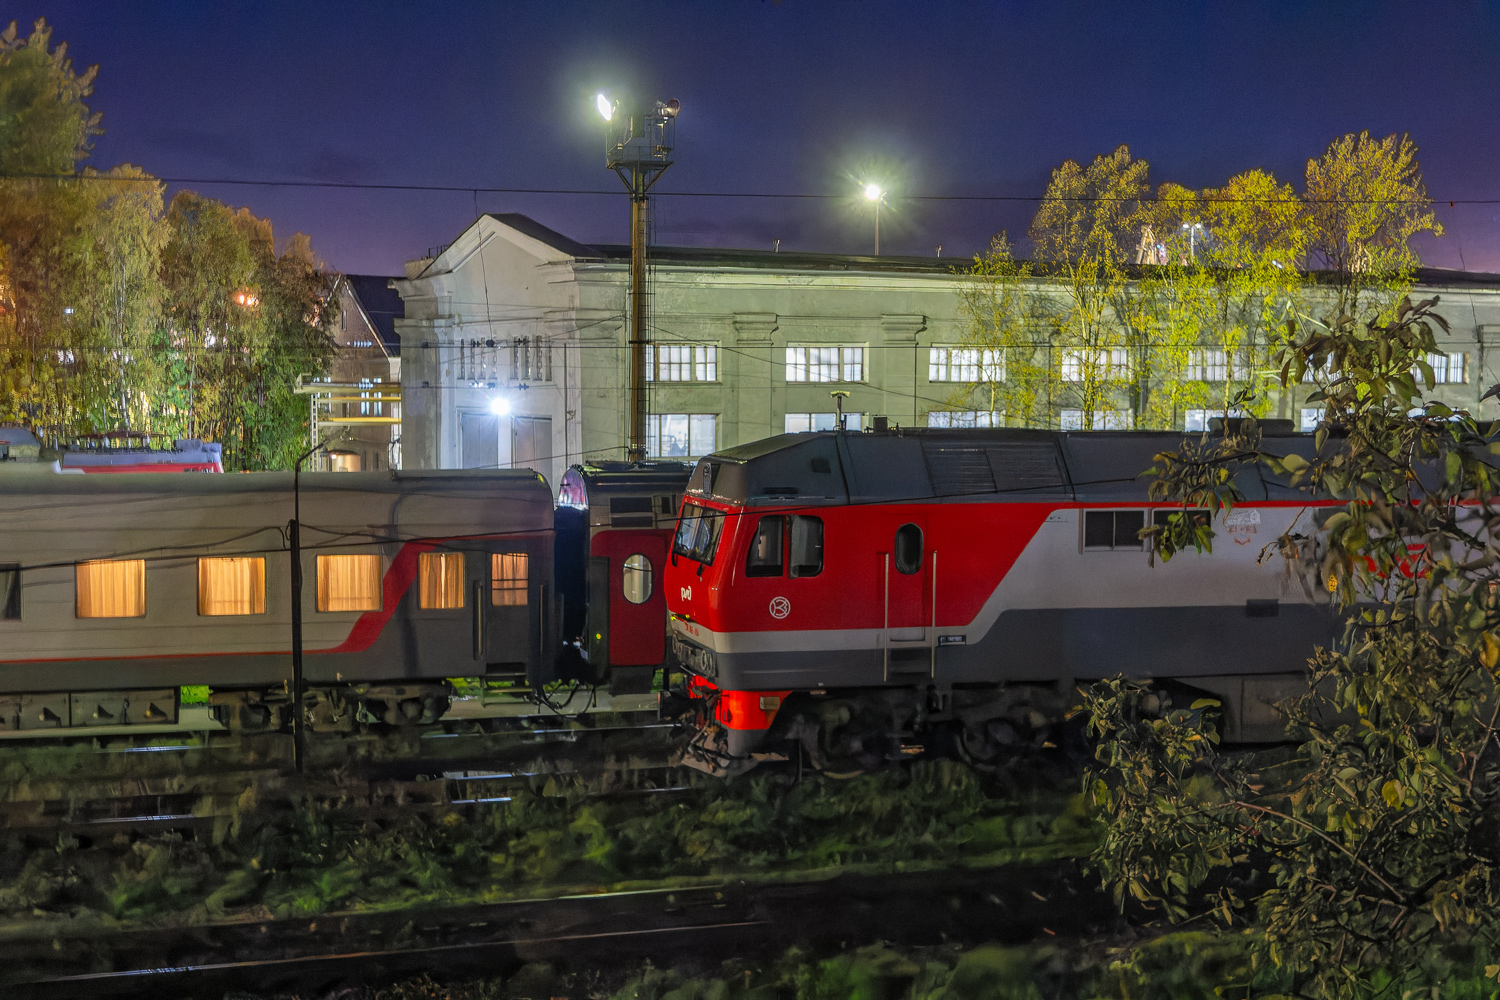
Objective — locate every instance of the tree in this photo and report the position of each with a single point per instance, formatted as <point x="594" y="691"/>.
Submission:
<point x="1364" y="861"/>
<point x="1008" y="345"/>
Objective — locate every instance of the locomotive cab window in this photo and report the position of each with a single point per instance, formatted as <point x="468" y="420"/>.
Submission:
<point x="349" y="583"/>
<point x="908" y="549"/>
<point x="234" y="585"/>
<point x="698" y="533"/>
<point x="637" y="578"/>
<point x="807" y="545"/>
<point x="441" y="576"/>
<point x="1113" y="530"/>
<point x="764" y="558"/>
<point x="10" y="591"/>
<point x="111" y="588"/>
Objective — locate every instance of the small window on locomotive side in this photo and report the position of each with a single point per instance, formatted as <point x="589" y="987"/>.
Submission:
<point x="908" y="549"/>
<point x="10" y="591"/>
<point x="1113" y="530"/>
<point x="807" y="545"/>
<point x="764" y="558"/>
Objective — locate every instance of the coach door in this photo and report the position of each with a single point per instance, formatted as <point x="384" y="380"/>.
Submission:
<point x="907" y="572"/>
<point x="633" y="562"/>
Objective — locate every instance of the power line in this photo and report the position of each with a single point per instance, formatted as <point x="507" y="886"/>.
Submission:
<point x="474" y="189"/>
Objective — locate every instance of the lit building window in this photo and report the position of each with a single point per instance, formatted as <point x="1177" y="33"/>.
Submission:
<point x="440" y="580"/>
<point x="680" y="435"/>
<point x="1311" y="417"/>
<point x="965" y="364"/>
<point x="1213" y="365"/>
<point x="111" y="588"/>
<point x="800" y="423"/>
<point x="232" y="586"/>
<point x="682" y="363"/>
<point x="1197" y="420"/>
<point x="1106" y="364"/>
<point x="840" y="363"/>
<point x="349" y="583"/>
<point x="965" y="418"/>
<point x="1447" y="369"/>
<point x="1104" y="420"/>
<point x="509" y="579"/>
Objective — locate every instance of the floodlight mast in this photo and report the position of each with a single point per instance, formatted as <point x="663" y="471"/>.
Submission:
<point x="638" y="148"/>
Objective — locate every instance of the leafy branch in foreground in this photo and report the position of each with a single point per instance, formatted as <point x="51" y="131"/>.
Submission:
<point x="1369" y="851"/>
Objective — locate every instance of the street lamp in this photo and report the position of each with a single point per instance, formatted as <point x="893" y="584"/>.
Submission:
<point x="1192" y="229"/>
<point x="638" y="148"/>
<point x="873" y="192"/>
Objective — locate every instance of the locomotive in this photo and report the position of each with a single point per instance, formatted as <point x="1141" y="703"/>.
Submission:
<point x="854" y="594"/>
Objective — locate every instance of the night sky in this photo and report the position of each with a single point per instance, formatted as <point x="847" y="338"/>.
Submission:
<point x="930" y="98"/>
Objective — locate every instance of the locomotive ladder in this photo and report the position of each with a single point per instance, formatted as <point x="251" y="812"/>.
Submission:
<point x="929" y="633"/>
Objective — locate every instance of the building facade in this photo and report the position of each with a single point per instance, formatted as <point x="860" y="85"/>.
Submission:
<point x="356" y="408"/>
<point x="515" y="353"/>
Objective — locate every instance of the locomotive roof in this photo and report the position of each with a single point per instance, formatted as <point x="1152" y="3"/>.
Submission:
<point x="1007" y="464"/>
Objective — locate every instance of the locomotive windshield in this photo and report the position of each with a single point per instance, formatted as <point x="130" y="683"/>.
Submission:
<point x="698" y="533"/>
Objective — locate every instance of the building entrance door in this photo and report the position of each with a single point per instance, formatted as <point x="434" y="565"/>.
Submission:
<point x="479" y="439"/>
<point x="530" y="442"/>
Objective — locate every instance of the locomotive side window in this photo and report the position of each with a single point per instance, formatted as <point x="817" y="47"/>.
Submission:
<point x="765" y="548"/>
<point x="349" y="583"/>
<point x="908" y="549"/>
<point x="807" y="546"/>
<point x="441" y="576"/>
<point x="637" y="570"/>
<point x="510" y="577"/>
<point x="10" y="591"/>
<point x="232" y="586"/>
<point x="698" y="534"/>
<point x="111" y="588"/>
<point x="1105" y="530"/>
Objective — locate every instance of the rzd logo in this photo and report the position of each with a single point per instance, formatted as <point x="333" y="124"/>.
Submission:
<point x="687" y="593"/>
<point x="780" y="607"/>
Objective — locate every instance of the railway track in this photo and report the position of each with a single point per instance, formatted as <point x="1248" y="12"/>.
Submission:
<point x="703" y="923"/>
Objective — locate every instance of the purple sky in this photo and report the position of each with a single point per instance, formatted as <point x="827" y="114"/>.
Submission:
<point x="956" y="97"/>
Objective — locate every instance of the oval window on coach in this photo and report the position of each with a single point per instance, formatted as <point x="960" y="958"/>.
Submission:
<point x="637" y="579"/>
<point x="768" y="546"/>
<point x="698" y="533"/>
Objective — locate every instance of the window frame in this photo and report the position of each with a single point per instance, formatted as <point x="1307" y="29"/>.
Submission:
<point x="1114" y="513"/>
<point x="764" y="570"/>
<point x="77" y="594"/>
<point x="701" y="365"/>
<point x="320" y="598"/>
<point x="987" y="363"/>
<point x="841" y="364"/>
<point x="702" y="549"/>
<point x="654" y="435"/>
<point x="10" y="608"/>
<point x="511" y="581"/>
<point x="649" y="573"/>
<point x="204" y="560"/>
<point x="463" y="587"/>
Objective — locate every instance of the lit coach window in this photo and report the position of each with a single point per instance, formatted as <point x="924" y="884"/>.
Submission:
<point x="232" y="585"/>
<point x="349" y="583"/>
<point x="441" y="576"/>
<point x="510" y="577"/>
<point x="637" y="571"/>
<point x="111" y="588"/>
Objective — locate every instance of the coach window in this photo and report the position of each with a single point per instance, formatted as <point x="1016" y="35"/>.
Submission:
<point x="233" y="585"/>
<point x="349" y="583"/>
<point x="10" y="591"/>
<point x="1106" y="530"/>
<point x="510" y="578"/>
<point x="765" y="549"/>
<point x="807" y="546"/>
<point x="440" y="578"/>
<point x="908" y="549"/>
<point x="111" y="588"/>
<point x="637" y="571"/>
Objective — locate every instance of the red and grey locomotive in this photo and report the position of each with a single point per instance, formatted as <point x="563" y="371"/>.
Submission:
<point x="858" y="585"/>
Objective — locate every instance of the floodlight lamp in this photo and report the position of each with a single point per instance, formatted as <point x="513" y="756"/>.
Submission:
<point x="873" y="192"/>
<point x="671" y="109"/>
<point x="606" y="107"/>
<point x="499" y="405"/>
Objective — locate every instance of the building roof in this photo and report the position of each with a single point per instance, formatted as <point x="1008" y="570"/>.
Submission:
<point x="528" y="226"/>
<point x="383" y="304"/>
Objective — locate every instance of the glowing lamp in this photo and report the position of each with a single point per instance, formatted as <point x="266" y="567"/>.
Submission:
<point x="605" y="106"/>
<point x="499" y="406"/>
<point x="873" y="192"/>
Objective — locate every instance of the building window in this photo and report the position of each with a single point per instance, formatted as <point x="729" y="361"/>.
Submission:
<point x="1108" y="364"/>
<point x="965" y="364"/>
<point x="1197" y="420"/>
<point x="1213" y="365"/>
<point x="234" y="585"/>
<point x="680" y="435"/>
<point x="801" y="423"/>
<point x="1311" y="417"/>
<point x="1112" y="530"/>
<point x="682" y="363"/>
<point x="441" y="580"/>
<point x="637" y="579"/>
<point x="1104" y="420"/>
<point x="10" y="591"/>
<point x="1447" y="369"/>
<point x="965" y="418"/>
<point x="349" y="583"/>
<point x="840" y="363"/>
<point x="509" y="579"/>
<point x="111" y="588"/>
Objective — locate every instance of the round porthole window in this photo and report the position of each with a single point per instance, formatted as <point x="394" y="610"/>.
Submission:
<point x="637" y="579"/>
